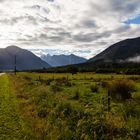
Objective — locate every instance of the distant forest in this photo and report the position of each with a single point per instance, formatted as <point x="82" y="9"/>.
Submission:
<point x="118" y="68"/>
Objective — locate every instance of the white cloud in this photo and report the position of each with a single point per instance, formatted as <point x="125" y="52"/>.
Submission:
<point x="89" y="25"/>
<point x="134" y="59"/>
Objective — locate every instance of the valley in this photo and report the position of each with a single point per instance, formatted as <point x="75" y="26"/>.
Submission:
<point x="69" y="70"/>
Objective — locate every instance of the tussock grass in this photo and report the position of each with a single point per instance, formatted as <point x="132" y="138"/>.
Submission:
<point x="12" y="125"/>
<point x="121" y="89"/>
<point x="73" y="112"/>
<point x="94" y="88"/>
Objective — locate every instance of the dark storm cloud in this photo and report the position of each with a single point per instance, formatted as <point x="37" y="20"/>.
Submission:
<point x="65" y="34"/>
<point x="87" y="23"/>
<point x="123" y="6"/>
<point x="56" y="37"/>
<point x="90" y="36"/>
<point x="85" y="37"/>
<point x="50" y="0"/>
<point x="121" y="29"/>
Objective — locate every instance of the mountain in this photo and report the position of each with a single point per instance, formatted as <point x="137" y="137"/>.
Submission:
<point x="122" y="51"/>
<point x="25" y="59"/>
<point x="123" y="56"/>
<point x="61" y="60"/>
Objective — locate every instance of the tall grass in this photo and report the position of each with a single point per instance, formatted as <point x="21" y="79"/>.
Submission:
<point x="73" y="112"/>
<point x="121" y="89"/>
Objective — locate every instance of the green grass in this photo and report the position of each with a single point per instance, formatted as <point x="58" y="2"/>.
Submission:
<point x="13" y="125"/>
<point x="10" y="122"/>
<point x="69" y="107"/>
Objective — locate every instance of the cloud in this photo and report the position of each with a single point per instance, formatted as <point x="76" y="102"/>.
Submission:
<point x="51" y="0"/>
<point x="135" y="59"/>
<point x="90" y="25"/>
<point x="15" y="20"/>
<point x="39" y="53"/>
<point x="89" y="37"/>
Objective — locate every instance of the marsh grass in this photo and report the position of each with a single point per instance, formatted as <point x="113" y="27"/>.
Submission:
<point x="76" y="94"/>
<point x="74" y="112"/>
<point x="55" y="86"/>
<point x="94" y="88"/>
<point x="121" y="89"/>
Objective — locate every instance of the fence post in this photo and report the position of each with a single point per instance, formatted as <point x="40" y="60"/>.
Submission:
<point x="15" y="69"/>
<point x="39" y="78"/>
<point x="102" y="103"/>
<point x="109" y="108"/>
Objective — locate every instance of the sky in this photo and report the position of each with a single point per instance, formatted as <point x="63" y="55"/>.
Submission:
<point x="82" y="27"/>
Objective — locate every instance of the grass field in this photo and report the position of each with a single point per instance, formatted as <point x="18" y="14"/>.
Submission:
<point x="67" y="107"/>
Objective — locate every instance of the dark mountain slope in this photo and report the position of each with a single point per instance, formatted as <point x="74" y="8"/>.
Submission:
<point x="25" y="59"/>
<point x="116" y="58"/>
<point x="120" y="51"/>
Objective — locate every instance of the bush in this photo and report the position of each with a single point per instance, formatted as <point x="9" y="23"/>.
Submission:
<point x="104" y="84"/>
<point x="27" y="78"/>
<point x="44" y="81"/>
<point x="64" y="109"/>
<point x="42" y="111"/>
<point x="76" y="95"/>
<point x="121" y="89"/>
<point x="55" y="86"/>
<point x="72" y="69"/>
<point x="94" y="88"/>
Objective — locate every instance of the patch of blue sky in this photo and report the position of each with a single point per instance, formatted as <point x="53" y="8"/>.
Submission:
<point x="135" y="20"/>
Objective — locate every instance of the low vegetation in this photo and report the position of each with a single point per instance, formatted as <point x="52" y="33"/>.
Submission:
<point x="12" y="126"/>
<point x="94" y="88"/>
<point x="121" y="89"/>
<point x="75" y="106"/>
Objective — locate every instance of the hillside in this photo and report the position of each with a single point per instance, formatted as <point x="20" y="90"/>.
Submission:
<point x="123" y="56"/>
<point x="25" y="59"/>
<point x="61" y="60"/>
<point x="122" y="51"/>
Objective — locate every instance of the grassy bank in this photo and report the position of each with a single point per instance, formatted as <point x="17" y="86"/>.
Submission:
<point x="66" y="107"/>
<point x="10" y="122"/>
<point x="13" y="124"/>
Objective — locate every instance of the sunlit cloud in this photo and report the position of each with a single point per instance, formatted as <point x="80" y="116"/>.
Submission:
<point x="88" y="25"/>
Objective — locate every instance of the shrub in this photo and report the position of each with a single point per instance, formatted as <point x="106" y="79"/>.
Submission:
<point x="27" y="78"/>
<point x="61" y="80"/>
<point x="131" y="109"/>
<point x="64" y="81"/>
<point x="68" y="84"/>
<point x="104" y="84"/>
<point x="45" y="81"/>
<point x="42" y="111"/>
<point x="121" y="89"/>
<point x="72" y="69"/>
<point x="76" y="95"/>
<point x="94" y="88"/>
<point x="55" y="86"/>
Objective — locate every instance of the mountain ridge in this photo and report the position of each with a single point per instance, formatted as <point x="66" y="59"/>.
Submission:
<point x="62" y="60"/>
<point x="123" y="56"/>
<point x="122" y="50"/>
<point x="26" y="60"/>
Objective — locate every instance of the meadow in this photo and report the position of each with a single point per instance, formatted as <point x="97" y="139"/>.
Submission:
<point x="75" y="106"/>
